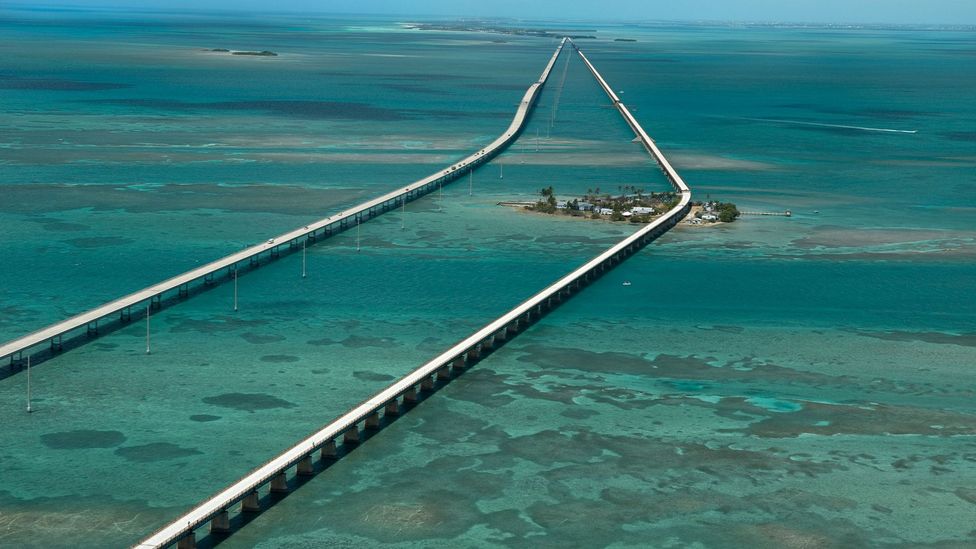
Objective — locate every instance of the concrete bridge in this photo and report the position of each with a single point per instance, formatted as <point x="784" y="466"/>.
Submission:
<point x="82" y="328"/>
<point x="317" y="452"/>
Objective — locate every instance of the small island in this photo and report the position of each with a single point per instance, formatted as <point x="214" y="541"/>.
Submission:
<point x="633" y="205"/>
<point x="624" y="39"/>
<point x="712" y="211"/>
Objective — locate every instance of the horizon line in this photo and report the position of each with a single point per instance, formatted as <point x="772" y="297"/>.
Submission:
<point x="190" y="11"/>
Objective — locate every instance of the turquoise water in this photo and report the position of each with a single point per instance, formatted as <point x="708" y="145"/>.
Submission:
<point x="792" y="382"/>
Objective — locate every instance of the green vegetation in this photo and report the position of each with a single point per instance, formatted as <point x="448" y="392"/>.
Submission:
<point x="727" y="212"/>
<point x="546" y="204"/>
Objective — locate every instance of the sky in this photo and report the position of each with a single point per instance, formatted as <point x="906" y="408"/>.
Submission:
<point x="961" y="12"/>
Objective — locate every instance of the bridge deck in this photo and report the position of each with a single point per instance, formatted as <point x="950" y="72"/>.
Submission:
<point x="220" y="502"/>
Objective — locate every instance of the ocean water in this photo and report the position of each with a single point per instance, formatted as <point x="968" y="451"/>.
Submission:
<point x="802" y="381"/>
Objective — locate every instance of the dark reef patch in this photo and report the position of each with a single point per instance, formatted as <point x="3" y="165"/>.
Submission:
<point x="249" y="402"/>
<point x="204" y="418"/>
<point x="156" y="451"/>
<point x="372" y="376"/>
<point x="82" y="438"/>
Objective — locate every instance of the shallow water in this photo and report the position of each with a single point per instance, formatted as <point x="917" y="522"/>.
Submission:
<point x="800" y="381"/>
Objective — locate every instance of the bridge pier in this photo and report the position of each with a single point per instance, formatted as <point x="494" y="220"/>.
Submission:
<point x="187" y="542"/>
<point x="392" y="408"/>
<point x="444" y="374"/>
<point x="220" y="524"/>
<point x="458" y="365"/>
<point x="154" y="302"/>
<point x="328" y="450"/>
<point x="305" y="468"/>
<point x="208" y="279"/>
<point x="373" y="420"/>
<point x="56" y="344"/>
<point x="351" y="436"/>
<point x="251" y="503"/>
<point x="474" y="354"/>
<point x="279" y="483"/>
<point x="91" y="329"/>
<point x="184" y="290"/>
<point x="125" y="315"/>
<point x="410" y="395"/>
<point x="427" y="384"/>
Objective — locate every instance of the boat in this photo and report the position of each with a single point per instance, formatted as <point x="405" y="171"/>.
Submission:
<point x="626" y="283"/>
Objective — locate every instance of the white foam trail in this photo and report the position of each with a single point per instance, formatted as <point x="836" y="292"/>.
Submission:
<point x="861" y="128"/>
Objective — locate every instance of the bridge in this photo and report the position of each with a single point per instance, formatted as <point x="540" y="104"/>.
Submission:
<point x="79" y="329"/>
<point x="347" y="431"/>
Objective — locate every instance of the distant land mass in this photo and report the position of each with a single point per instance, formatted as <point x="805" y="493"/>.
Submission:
<point x="491" y="27"/>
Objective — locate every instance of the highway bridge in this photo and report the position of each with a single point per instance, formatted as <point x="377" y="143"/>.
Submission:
<point x="319" y="450"/>
<point x="79" y="329"/>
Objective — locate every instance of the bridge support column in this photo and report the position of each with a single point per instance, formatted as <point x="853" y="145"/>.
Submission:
<point x="444" y="374"/>
<point x="373" y="421"/>
<point x="351" y="436"/>
<point x="208" y="279"/>
<point x="502" y="335"/>
<point x="410" y="395"/>
<point x="251" y="503"/>
<point x="188" y="542"/>
<point x="427" y="384"/>
<point x="279" y="484"/>
<point x="392" y="408"/>
<point x="92" y="329"/>
<point x="220" y="524"/>
<point x="125" y="314"/>
<point x="474" y="354"/>
<point x="328" y="450"/>
<point x="458" y="364"/>
<point x="154" y="303"/>
<point x="184" y="290"/>
<point x="305" y="468"/>
<point x="56" y="344"/>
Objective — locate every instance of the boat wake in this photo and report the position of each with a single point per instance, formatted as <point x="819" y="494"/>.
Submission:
<point x="822" y="125"/>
